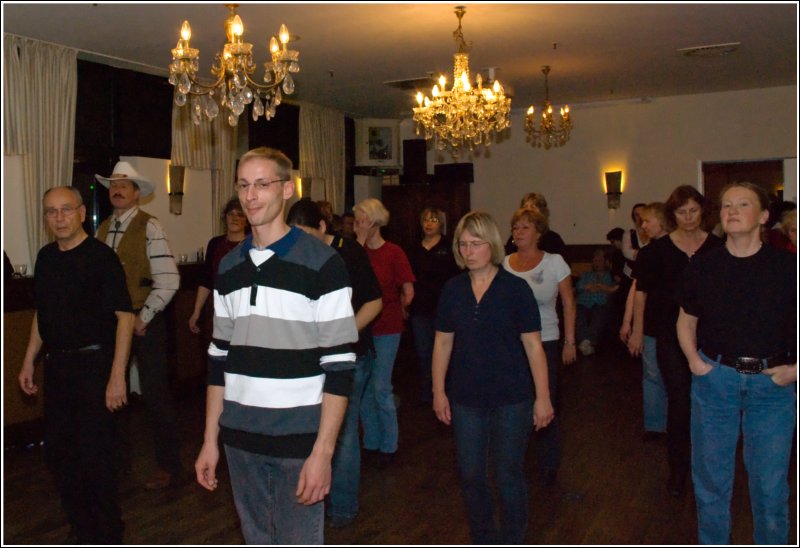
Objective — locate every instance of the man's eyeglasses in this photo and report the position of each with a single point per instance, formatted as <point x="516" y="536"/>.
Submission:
<point x="67" y="211"/>
<point x="258" y="185"/>
<point x="463" y="246"/>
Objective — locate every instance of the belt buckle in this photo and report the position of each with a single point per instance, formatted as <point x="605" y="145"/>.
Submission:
<point x="749" y="366"/>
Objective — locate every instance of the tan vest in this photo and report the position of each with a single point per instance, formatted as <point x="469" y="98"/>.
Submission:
<point x="132" y="252"/>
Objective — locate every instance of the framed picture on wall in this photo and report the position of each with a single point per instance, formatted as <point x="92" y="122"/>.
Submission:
<point x="378" y="142"/>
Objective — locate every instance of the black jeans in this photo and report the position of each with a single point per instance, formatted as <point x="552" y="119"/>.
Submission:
<point x="151" y="358"/>
<point x="678" y="383"/>
<point x="79" y="438"/>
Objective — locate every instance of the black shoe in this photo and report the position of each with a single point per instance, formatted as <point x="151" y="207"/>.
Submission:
<point x="71" y="539"/>
<point x="653" y="436"/>
<point x="384" y="460"/>
<point x="548" y="477"/>
<point x="340" y="522"/>
<point x="676" y="484"/>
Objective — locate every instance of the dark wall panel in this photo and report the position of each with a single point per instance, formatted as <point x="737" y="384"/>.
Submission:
<point x="281" y="132"/>
<point x="142" y="115"/>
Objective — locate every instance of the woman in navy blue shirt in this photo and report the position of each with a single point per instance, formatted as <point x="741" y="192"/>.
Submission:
<point x="489" y="349"/>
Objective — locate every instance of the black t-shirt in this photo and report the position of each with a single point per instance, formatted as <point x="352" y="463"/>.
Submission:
<point x="658" y="273"/>
<point x="363" y="281"/>
<point x="746" y="306"/>
<point x="432" y="268"/>
<point x="652" y="307"/>
<point x="77" y="293"/>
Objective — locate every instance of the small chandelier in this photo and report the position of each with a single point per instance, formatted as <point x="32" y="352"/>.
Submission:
<point x="466" y="115"/>
<point x="547" y="135"/>
<point x="234" y="88"/>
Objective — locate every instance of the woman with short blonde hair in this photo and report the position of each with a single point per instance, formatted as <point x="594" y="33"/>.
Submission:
<point x="393" y="270"/>
<point x="489" y="350"/>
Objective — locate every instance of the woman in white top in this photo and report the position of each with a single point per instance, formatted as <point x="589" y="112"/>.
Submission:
<point x="549" y="277"/>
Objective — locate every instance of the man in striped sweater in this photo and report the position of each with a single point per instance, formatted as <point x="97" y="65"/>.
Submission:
<point x="280" y="364"/>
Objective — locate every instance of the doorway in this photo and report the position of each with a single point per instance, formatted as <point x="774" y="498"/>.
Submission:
<point x="768" y="174"/>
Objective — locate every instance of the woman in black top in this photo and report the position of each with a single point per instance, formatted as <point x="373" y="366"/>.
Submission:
<point x="738" y="329"/>
<point x="658" y="279"/>
<point x="433" y="264"/>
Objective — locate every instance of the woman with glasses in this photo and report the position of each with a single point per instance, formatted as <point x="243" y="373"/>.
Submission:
<point x="391" y="266"/>
<point x="658" y="277"/>
<point x="489" y="379"/>
<point x="236" y="229"/>
<point x="433" y="264"/>
<point x="549" y="277"/>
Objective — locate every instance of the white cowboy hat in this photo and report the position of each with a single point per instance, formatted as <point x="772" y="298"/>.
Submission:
<point x="124" y="170"/>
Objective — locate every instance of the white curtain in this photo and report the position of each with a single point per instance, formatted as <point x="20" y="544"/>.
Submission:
<point x="209" y="145"/>
<point x="40" y="89"/>
<point x="322" y="151"/>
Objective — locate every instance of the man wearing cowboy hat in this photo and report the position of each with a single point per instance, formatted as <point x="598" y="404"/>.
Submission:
<point x="152" y="279"/>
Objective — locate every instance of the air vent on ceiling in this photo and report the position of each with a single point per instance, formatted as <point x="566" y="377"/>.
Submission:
<point x="714" y="50"/>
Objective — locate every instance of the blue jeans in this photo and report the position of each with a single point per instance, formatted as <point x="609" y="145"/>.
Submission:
<point x="653" y="391"/>
<point x="502" y="434"/>
<point x="378" y="412"/>
<point x="343" y="499"/>
<point x="590" y="323"/>
<point x="264" y="492"/>
<point x="548" y="439"/>
<point x="424" y="335"/>
<point x="723" y="401"/>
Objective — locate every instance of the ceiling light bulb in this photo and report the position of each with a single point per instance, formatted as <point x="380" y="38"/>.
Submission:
<point x="237" y="28"/>
<point x="186" y="31"/>
<point x="283" y="34"/>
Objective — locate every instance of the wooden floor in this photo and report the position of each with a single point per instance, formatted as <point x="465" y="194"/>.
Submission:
<point x="610" y="489"/>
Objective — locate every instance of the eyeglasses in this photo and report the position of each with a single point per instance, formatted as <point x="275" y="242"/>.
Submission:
<point x="462" y="246"/>
<point x="67" y="211"/>
<point x="258" y="185"/>
<point x="431" y="220"/>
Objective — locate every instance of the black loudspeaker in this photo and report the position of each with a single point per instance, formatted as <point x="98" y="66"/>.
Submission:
<point x="453" y="173"/>
<point x="415" y="162"/>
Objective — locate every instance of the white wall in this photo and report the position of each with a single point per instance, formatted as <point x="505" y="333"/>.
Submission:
<point x="658" y="146"/>
<point x="15" y="229"/>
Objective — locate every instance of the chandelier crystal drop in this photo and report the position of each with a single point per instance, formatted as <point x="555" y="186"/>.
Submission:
<point x="548" y="134"/>
<point x="234" y="87"/>
<point x="466" y="115"/>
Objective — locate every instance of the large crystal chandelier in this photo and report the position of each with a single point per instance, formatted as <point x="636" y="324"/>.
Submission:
<point x="234" y="88"/>
<point x="548" y="134"/>
<point x="465" y="115"/>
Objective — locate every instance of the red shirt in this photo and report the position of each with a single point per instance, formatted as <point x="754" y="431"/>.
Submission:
<point x="392" y="269"/>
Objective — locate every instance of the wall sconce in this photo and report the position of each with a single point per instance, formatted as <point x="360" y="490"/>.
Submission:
<point x="614" y="188"/>
<point x="175" y="185"/>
